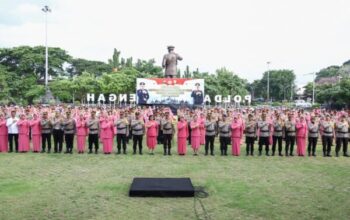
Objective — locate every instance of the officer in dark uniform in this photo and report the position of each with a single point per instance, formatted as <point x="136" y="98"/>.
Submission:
<point x="197" y="95"/>
<point x="142" y="94"/>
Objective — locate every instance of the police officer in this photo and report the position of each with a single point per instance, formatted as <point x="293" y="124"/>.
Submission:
<point x="277" y="135"/>
<point x="57" y="132"/>
<point x="250" y="134"/>
<point x="289" y="128"/>
<point x="197" y="95"/>
<point x="142" y="94"/>
<point x="167" y="126"/>
<point x="122" y="125"/>
<point x="342" y="136"/>
<point x="225" y="134"/>
<point x="46" y="129"/>
<point x="94" y="126"/>
<point x="69" y="128"/>
<point x="327" y="136"/>
<point x="210" y="132"/>
<point x="313" y="129"/>
<point x="264" y="135"/>
<point x="138" y="130"/>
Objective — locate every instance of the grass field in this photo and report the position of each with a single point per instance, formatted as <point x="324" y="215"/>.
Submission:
<point x="42" y="186"/>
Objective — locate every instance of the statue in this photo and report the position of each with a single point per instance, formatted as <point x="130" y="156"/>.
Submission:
<point x="170" y="62"/>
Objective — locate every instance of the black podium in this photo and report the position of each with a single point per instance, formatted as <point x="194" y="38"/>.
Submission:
<point x="161" y="187"/>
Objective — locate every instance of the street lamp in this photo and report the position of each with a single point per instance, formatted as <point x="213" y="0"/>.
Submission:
<point x="48" y="96"/>
<point x="46" y="10"/>
<point x="268" y="81"/>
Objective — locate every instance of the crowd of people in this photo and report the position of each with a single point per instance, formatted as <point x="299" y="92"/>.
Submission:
<point x="31" y="128"/>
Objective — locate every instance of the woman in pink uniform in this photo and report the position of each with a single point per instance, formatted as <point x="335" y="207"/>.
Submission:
<point x="36" y="133"/>
<point x="182" y="134"/>
<point x="23" y="134"/>
<point x="81" y="133"/>
<point x="202" y="128"/>
<point x="237" y="133"/>
<point x="195" y="134"/>
<point x="3" y="134"/>
<point x="151" y="134"/>
<point x="301" y="131"/>
<point x="107" y="133"/>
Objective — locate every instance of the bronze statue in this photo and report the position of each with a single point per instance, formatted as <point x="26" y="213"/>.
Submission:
<point x="170" y="62"/>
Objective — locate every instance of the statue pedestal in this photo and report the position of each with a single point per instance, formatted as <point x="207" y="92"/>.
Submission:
<point x="48" y="97"/>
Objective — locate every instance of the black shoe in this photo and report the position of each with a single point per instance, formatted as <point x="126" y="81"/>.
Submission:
<point x="134" y="153"/>
<point x="313" y="154"/>
<point x="291" y="155"/>
<point x="124" y="152"/>
<point x="49" y="151"/>
<point x="66" y="152"/>
<point x="280" y="154"/>
<point x="346" y="155"/>
<point x="309" y="154"/>
<point x="212" y="154"/>
<point x="169" y="153"/>
<point x="206" y="154"/>
<point x="273" y="154"/>
<point x="118" y="152"/>
<point x="337" y="154"/>
<point x="259" y="153"/>
<point x="329" y="155"/>
<point x="42" y="151"/>
<point x="90" y="152"/>
<point x="267" y="154"/>
<point x="96" y="152"/>
<point x="164" y="153"/>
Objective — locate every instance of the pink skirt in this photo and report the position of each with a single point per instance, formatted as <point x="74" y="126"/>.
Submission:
<point x="181" y="145"/>
<point x="3" y="143"/>
<point x="151" y="142"/>
<point x="23" y="143"/>
<point x="195" y="142"/>
<point x="81" y="143"/>
<point x="36" y="140"/>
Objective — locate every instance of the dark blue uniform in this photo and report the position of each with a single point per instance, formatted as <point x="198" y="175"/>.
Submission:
<point x="143" y="96"/>
<point x="197" y="96"/>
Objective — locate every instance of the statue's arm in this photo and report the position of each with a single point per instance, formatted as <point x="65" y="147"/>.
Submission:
<point x="179" y="57"/>
<point x="164" y="61"/>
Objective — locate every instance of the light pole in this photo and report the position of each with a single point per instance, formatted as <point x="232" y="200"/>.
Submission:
<point x="46" y="10"/>
<point x="48" y="94"/>
<point x="313" y="86"/>
<point x="268" y="81"/>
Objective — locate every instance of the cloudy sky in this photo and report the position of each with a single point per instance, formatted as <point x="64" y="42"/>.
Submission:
<point x="242" y="35"/>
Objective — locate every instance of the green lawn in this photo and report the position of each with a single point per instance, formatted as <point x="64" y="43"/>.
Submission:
<point x="42" y="186"/>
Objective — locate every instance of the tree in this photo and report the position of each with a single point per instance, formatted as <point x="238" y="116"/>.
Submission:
<point x="281" y="85"/>
<point x="115" y="61"/>
<point x="25" y="60"/>
<point x="78" y="66"/>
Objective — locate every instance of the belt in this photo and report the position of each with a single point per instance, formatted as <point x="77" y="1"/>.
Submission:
<point x="250" y="132"/>
<point x="264" y="130"/>
<point x="93" y="129"/>
<point x="137" y="129"/>
<point x="313" y="132"/>
<point x="277" y="130"/>
<point x="224" y="132"/>
<point x="167" y="128"/>
<point x="327" y="132"/>
<point x="342" y="132"/>
<point x="210" y="130"/>
<point x="121" y="128"/>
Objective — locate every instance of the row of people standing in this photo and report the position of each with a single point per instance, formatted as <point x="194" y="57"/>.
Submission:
<point x="195" y="128"/>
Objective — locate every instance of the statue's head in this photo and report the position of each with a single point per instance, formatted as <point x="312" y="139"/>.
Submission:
<point x="171" y="48"/>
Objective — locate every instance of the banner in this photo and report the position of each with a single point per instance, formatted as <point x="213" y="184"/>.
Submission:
<point x="169" y="91"/>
